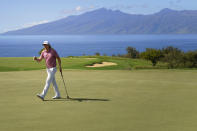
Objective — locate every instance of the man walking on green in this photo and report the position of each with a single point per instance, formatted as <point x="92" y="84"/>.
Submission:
<point x="50" y="56"/>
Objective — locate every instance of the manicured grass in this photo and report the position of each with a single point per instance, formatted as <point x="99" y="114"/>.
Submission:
<point x="27" y="63"/>
<point x="113" y="100"/>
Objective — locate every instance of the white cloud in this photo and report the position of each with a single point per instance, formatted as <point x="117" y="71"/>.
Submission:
<point x="9" y="29"/>
<point x="34" y="23"/>
<point x="25" y="25"/>
<point x="78" y="8"/>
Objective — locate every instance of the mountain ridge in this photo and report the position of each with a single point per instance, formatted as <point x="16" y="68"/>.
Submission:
<point x="107" y="21"/>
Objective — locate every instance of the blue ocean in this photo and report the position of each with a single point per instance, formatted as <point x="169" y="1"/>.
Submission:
<point x="77" y="45"/>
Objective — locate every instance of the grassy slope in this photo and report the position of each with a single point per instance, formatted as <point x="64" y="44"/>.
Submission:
<point x="139" y="100"/>
<point x="26" y="63"/>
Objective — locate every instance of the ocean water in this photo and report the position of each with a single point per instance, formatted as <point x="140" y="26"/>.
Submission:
<point x="77" y="45"/>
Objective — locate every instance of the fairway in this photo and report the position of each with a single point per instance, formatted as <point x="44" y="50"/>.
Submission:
<point x="103" y="100"/>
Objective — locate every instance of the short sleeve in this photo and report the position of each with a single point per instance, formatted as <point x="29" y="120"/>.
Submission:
<point x="55" y="53"/>
<point x="42" y="55"/>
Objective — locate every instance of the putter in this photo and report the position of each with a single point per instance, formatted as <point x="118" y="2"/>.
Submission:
<point x="65" y="86"/>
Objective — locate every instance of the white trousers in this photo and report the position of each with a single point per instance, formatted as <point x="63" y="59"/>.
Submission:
<point x="51" y="78"/>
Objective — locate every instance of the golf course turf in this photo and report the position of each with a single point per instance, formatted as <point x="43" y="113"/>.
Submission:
<point x="78" y="62"/>
<point x="102" y="100"/>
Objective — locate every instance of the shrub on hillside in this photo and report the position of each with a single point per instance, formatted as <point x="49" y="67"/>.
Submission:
<point x="173" y="56"/>
<point x="190" y="59"/>
<point x="151" y="54"/>
<point x="132" y="52"/>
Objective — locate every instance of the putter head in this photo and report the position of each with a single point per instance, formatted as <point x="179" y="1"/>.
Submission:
<point x="68" y="97"/>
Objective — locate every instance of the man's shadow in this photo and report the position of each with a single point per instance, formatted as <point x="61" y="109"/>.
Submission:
<point x="77" y="99"/>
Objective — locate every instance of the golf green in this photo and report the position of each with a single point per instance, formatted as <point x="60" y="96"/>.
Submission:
<point x="103" y="100"/>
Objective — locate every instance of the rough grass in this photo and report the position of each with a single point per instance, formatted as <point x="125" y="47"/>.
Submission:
<point x="27" y="63"/>
<point x="138" y="100"/>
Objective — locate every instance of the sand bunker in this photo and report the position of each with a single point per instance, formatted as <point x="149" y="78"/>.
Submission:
<point x="103" y="64"/>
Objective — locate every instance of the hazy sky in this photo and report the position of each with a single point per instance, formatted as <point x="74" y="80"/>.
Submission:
<point x="16" y="14"/>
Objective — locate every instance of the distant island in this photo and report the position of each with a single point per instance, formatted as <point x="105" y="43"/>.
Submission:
<point x="106" y="21"/>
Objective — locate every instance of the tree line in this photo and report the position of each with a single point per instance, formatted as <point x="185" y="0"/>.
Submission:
<point x="174" y="57"/>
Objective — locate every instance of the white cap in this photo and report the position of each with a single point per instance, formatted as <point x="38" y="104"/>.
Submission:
<point x="46" y="43"/>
